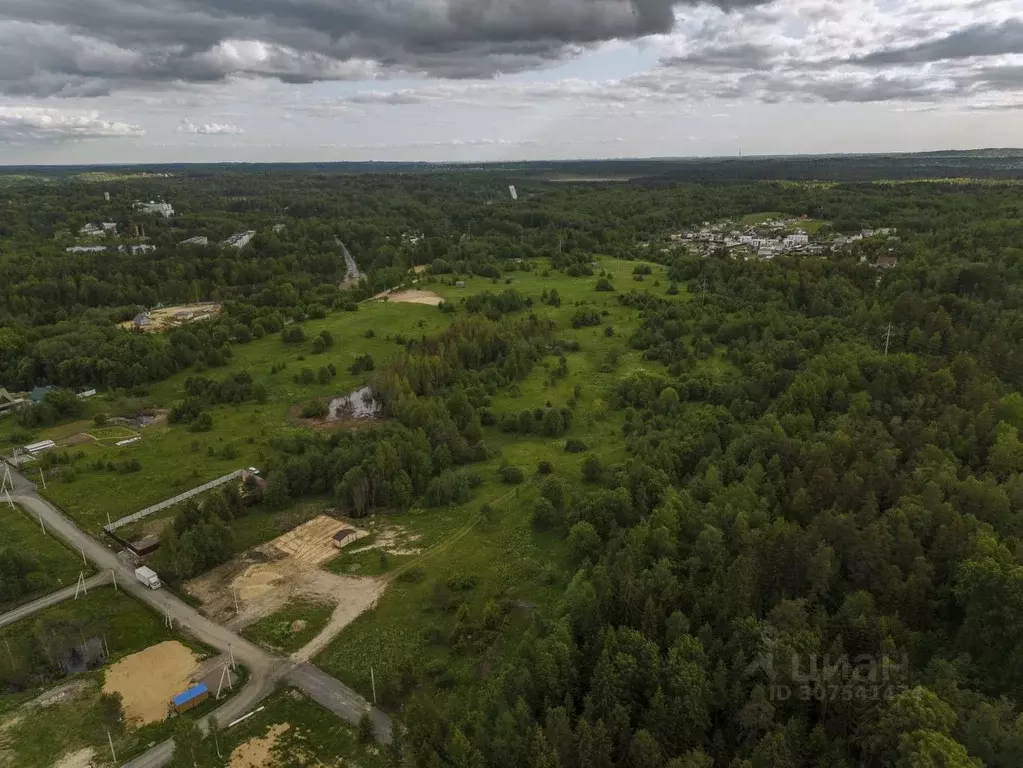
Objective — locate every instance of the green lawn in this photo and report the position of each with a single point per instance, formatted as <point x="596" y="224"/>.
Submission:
<point x="57" y="567"/>
<point x="275" y="632"/>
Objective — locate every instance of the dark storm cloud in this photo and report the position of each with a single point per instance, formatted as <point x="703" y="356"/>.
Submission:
<point x="973" y="41"/>
<point x="85" y="47"/>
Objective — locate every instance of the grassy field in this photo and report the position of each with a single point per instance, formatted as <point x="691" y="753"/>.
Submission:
<point x="34" y="732"/>
<point x="275" y="632"/>
<point x="364" y="559"/>
<point x="293" y="732"/>
<point x="500" y="567"/>
<point x="58" y="566"/>
<point x="29" y="645"/>
<point x="496" y="564"/>
<point x="173" y="459"/>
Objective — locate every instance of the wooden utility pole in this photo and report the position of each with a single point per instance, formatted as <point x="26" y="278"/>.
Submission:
<point x="110" y="740"/>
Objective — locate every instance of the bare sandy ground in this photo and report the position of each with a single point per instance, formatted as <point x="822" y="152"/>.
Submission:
<point x="265" y="579"/>
<point x="169" y="317"/>
<point x="257" y="752"/>
<point x="83" y="758"/>
<point x="313" y="542"/>
<point x="149" y="679"/>
<point x="411" y="297"/>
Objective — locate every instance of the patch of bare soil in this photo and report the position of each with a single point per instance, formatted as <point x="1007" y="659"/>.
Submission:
<point x="265" y="579"/>
<point x="171" y="317"/>
<point x="83" y="758"/>
<point x="411" y="297"/>
<point x="257" y="752"/>
<point x="61" y="694"/>
<point x="394" y="541"/>
<point x="149" y="679"/>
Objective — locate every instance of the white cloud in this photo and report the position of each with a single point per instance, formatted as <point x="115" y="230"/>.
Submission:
<point x="209" y="129"/>
<point x="44" y="124"/>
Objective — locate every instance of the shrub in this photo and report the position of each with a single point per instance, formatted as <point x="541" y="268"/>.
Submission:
<point x="603" y="284"/>
<point x="413" y="575"/>
<point x="544" y="468"/>
<point x="511" y="475"/>
<point x="362" y="363"/>
<point x="316" y="409"/>
<point x="575" y="445"/>
<point x="201" y="423"/>
<point x="583" y="542"/>
<point x="293" y="334"/>
<point x="585" y="318"/>
<point x="545" y="514"/>
<point x="593" y="469"/>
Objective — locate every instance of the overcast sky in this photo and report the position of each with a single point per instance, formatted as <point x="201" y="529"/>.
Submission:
<point x="101" y="81"/>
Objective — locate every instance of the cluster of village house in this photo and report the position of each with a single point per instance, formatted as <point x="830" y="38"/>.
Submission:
<point x="108" y="229"/>
<point x="769" y="239"/>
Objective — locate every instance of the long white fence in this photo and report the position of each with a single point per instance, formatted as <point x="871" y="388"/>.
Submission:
<point x="171" y="502"/>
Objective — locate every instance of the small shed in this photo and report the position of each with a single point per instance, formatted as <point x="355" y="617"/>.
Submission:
<point x="141" y="320"/>
<point x="886" y="262"/>
<point x="460" y="284"/>
<point x="191" y="698"/>
<point x="38" y="393"/>
<point x="343" y="536"/>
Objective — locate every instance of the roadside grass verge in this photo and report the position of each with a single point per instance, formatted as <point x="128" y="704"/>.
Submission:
<point x="277" y="632"/>
<point x="57" y="566"/>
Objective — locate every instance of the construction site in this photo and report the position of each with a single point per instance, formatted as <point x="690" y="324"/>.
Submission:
<point x="266" y="579"/>
<point x="160" y="319"/>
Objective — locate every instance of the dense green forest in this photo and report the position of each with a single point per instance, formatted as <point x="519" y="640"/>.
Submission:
<point x="810" y="557"/>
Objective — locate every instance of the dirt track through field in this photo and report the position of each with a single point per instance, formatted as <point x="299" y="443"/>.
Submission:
<point x="149" y="679"/>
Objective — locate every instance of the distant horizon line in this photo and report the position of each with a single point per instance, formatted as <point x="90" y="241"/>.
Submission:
<point x="5" y="167"/>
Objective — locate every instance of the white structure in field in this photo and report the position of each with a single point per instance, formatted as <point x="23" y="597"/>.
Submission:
<point x="514" y="194"/>
<point x="161" y="209"/>
<point x="197" y="240"/>
<point x="241" y="239"/>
